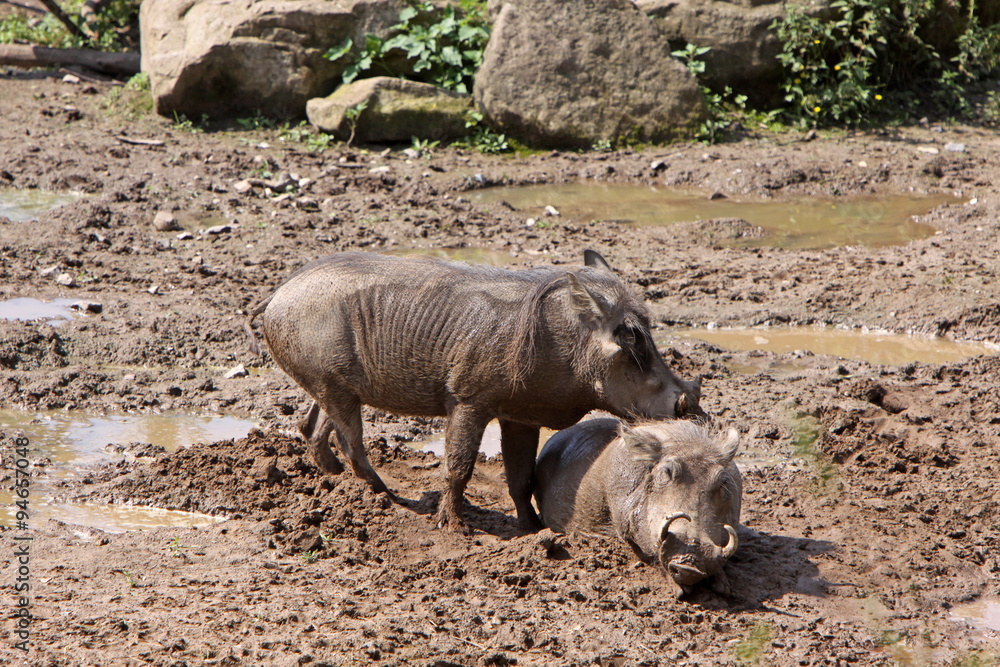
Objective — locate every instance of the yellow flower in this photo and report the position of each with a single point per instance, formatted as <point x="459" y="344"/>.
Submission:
<point x="816" y="109"/>
<point x="836" y="68"/>
<point x="815" y="41"/>
<point x="878" y="97"/>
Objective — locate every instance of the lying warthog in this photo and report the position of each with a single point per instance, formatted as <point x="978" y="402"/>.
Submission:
<point x="422" y="336"/>
<point x="668" y="489"/>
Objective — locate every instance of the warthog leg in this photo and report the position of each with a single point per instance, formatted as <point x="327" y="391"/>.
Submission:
<point x="462" y="436"/>
<point x="345" y="419"/>
<point x="519" y="444"/>
<point x="316" y="428"/>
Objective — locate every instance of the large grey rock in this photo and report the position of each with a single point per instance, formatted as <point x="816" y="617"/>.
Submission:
<point x="397" y="110"/>
<point x="234" y="57"/>
<point x="573" y="73"/>
<point x="743" y="47"/>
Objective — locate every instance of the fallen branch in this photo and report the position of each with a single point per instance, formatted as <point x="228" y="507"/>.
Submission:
<point x="43" y="56"/>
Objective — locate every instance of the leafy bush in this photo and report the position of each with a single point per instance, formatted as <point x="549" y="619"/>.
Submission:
<point x="867" y="56"/>
<point x="439" y="46"/>
<point x="111" y="26"/>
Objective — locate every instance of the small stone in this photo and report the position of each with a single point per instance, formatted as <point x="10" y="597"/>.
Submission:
<point x="954" y="147"/>
<point x="185" y="236"/>
<point x="530" y="222"/>
<point x="411" y="153"/>
<point x="71" y="78"/>
<point x="51" y="271"/>
<point x="155" y="289"/>
<point x="88" y="306"/>
<point x="239" y="371"/>
<point x="217" y="229"/>
<point x="658" y="165"/>
<point x="930" y="150"/>
<point x="716" y="196"/>
<point x="66" y="280"/>
<point x="164" y="221"/>
<point x="242" y="187"/>
<point x="863" y="164"/>
<point x="551" y="210"/>
<point x="809" y="136"/>
<point x="379" y="170"/>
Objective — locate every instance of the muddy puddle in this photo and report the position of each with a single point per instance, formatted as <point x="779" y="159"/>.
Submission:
<point x="66" y="445"/>
<point x="983" y="614"/>
<point x="875" y="348"/>
<point x="25" y="309"/>
<point x="792" y="223"/>
<point x="490" y="445"/>
<point x="25" y="205"/>
<point x="469" y="255"/>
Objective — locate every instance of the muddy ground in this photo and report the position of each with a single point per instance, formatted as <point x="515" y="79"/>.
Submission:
<point x="874" y="520"/>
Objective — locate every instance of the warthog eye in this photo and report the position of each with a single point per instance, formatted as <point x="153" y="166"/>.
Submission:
<point x="638" y="345"/>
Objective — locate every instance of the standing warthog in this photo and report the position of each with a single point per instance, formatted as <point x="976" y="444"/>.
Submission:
<point x="668" y="489"/>
<point x="422" y="336"/>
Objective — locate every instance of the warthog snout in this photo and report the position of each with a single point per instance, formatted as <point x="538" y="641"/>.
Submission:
<point x="689" y="563"/>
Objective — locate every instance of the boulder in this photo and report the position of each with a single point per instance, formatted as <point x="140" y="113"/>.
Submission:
<point x="397" y="110"/>
<point x="234" y="57"/>
<point x="744" y="49"/>
<point x="569" y="74"/>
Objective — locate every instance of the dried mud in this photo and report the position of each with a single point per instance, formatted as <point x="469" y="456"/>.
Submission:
<point x="873" y="517"/>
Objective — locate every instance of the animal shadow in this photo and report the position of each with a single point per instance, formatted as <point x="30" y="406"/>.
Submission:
<point x="478" y="518"/>
<point x="767" y="567"/>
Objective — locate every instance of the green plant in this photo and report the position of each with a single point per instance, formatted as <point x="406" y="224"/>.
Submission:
<point x="439" y="45"/>
<point x="602" y="146"/>
<point x="176" y="548"/>
<point x="302" y="133"/>
<point x="130" y="579"/>
<point x="185" y="124"/>
<point x="352" y="115"/>
<point x="718" y="105"/>
<point x="750" y="649"/>
<point x="109" y="27"/>
<point x="133" y="100"/>
<point x="806" y="431"/>
<point x="425" y="147"/>
<point x="483" y="138"/>
<point x="311" y="556"/>
<point x="845" y="66"/>
<point x="256" y="122"/>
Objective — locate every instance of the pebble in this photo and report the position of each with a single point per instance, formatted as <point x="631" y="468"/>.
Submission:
<point x="155" y="289"/>
<point x="217" y="229"/>
<point x="71" y="78"/>
<point x="930" y="150"/>
<point x="658" y="165"/>
<point x="411" y="153"/>
<point x="165" y="222"/>
<point x="66" y="280"/>
<point x="239" y="371"/>
<point x="379" y="170"/>
<point x="88" y="306"/>
<point x="551" y="210"/>
<point x="954" y="147"/>
<point x="185" y="236"/>
<point x="530" y="222"/>
<point x="242" y="187"/>
<point x="51" y="271"/>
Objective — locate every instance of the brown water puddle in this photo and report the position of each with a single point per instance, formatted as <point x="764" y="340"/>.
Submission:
<point x="25" y="205"/>
<point x="875" y="348"/>
<point x="490" y="445"/>
<point x="66" y="444"/>
<point x="793" y="223"/>
<point x="55" y="312"/>
<point x="983" y="614"/>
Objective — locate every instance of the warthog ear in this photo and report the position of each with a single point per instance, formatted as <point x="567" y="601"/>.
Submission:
<point x="641" y="447"/>
<point x="584" y="301"/>
<point x="593" y="258"/>
<point x="731" y="444"/>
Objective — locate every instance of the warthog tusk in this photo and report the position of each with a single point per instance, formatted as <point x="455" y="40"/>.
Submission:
<point x="665" y="526"/>
<point x="682" y="406"/>
<point x="732" y="544"/>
